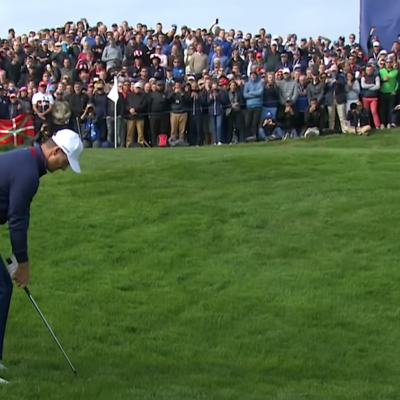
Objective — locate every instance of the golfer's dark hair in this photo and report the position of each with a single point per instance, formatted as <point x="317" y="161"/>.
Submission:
<point x="50" y="143"/>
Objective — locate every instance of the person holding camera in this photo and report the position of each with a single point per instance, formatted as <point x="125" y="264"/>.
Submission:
<point x="358" y="120"/>
<point x="269" y="129"/>
<point x="287" y="119"/>
<point x="179" y="102"/>
<point x="91" y="131"/>
<point x="314" y="119"/>
<point x="217" y="100"/>
<point x="44" y="134"/>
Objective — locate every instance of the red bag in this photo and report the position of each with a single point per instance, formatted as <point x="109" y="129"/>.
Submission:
<point x="162" y="140"/>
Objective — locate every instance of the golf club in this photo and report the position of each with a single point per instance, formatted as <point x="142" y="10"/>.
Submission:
<point x="47" y="325"/>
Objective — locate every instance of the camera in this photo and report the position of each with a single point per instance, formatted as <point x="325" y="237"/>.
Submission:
<point x="353" y="107"/>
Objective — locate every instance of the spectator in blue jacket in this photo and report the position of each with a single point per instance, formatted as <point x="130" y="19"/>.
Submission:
<point x="284" y="62"/>
<point x="253" y="94"/>
<point x="299" y="62"/>
<point x="226" y="47"/>
<point x="223" y="60"/>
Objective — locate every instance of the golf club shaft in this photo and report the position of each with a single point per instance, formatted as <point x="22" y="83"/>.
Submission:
<point x="50" y="330"/>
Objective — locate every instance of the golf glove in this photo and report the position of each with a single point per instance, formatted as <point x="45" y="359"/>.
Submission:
<point x="12" y="267"/>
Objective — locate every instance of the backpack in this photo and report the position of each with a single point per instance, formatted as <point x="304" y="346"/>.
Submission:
<point x="162" y="140"/>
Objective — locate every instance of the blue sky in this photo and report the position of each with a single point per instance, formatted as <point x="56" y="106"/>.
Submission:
<point x="249" y="18"/>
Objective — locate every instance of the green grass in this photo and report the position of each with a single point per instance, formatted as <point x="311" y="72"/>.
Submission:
<point x="250" y="272"/>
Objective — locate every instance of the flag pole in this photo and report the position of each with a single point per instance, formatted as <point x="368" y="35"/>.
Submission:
<point x="115" y="124"/>
<point x="114" y="96"/>
<point x="15" y="132"/>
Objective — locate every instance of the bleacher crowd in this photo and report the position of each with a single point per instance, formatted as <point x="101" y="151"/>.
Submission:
<point x="196" y="86"/>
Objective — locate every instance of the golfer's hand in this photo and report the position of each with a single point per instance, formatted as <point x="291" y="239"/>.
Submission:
<point x="21" y="276"/>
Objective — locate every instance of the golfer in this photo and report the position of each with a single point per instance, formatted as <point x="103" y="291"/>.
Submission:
<point x="20" y="171"/>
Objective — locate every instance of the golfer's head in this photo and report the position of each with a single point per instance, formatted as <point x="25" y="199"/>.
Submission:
<point x="63" y="150"/>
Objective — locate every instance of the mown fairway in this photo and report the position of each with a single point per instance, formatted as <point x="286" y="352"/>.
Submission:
<point x="252" y="272"/>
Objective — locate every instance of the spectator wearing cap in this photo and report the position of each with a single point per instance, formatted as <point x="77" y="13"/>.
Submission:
<point x="358" y="120"/>
<point x="89" y="38"/>
<point x="299" y="62"/>
<point x="155" y="70"/>
<point x="179" y="102"/>
<point x="135" y="111"/>
<point x="59" y="54"/>
<point x="335" y="98"/>
<point x="14" y="106"/>
<point x="158" y="107"/>
<point x="316" y="88"/>
<point x="134" y="70"/>
<point x="352" y="90"/>
<point x="43" y="53"/>
<point x="284" y="62"/>
<point x="42" y="104"/>
<point x="112" y="54"/>
<point x="327" y="57"/>
<point x="388" y="89"/>
<point x="272" y="58"/>
<point x="253" y="94"/>
<point x="370" y="85"/>
<point x="269" y="129"/>
<point x="373" y="44"/>
<point x="288" y="88"/>
<point x="259" y="63"/>
<point x="24" y="100"/>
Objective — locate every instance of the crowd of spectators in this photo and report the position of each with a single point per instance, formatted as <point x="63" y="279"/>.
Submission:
<point x="196" y="86"/>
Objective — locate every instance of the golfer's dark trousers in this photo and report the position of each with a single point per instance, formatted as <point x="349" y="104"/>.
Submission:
<point x="195" y="130"/>
<point x="6" y="289"/>
<point x="252" y="120"/>
<point x="158" y="125"/>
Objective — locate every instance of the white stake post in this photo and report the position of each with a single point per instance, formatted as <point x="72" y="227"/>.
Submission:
<point x="114" y="96"/>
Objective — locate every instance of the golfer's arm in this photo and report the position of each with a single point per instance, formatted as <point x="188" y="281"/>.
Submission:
<point x="22" y="191"/>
